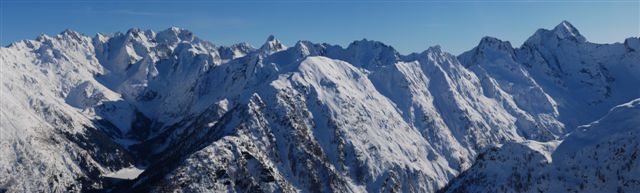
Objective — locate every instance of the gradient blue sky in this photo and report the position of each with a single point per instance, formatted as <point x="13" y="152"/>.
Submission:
<point x="409" y="26"/>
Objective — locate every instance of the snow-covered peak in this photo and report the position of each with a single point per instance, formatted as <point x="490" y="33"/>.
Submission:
<point x="370" y="44"/>
<point x="137" y="32"/>
<point x="563" y="31"/>
<point x="70" y="33"/>
<point x="437" y="54"/>
<point x="490" y="49"/>
<point x="101" y="37"/>
<point x="272" y="45"/>
<point x="369" y="53"/>
<point x="364" y="117"/>
<point x="271" y="38"/>
<point x="307" y="48"/>
<point x="134" y="31"/>
<point x="42" y="37"/>
<point x="235" y="51"/>
<point x="434" y="49"/>
<point x="174" y="35"/>
<point x="488" y="42"/>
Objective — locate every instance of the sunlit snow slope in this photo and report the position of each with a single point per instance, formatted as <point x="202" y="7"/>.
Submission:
<point x="598" y="157"/>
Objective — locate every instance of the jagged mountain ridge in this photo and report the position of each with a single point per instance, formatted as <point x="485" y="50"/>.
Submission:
<point x="561" y="64"/>
<point x="312" y="117"/>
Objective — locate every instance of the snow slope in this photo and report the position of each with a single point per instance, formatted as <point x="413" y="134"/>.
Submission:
<point x="598" y="157"/>
<point x="50" y="143"/>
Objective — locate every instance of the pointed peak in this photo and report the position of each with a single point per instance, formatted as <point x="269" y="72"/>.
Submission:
<point x="137" y="32"/>
<point x="304" y="43"/>
<point x="42" y="37"/>
<point x="566" y="30"/>
<point x="272" y="45"/>
<point x="271" y="38"/>
<point x="69" y="32"/>
<point x="308" y="48"/>
<point x="102" y="37"/>
<point x="565" y="25"/>
<point x="434" y="49"/>
<point x="134" y="30"/>
<point x="562" y="31"/>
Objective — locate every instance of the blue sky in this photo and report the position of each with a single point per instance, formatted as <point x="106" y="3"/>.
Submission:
<point x="409" y="26"/>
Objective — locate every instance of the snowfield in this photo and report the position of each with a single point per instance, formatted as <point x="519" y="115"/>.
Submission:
<point x="126" y="173"/>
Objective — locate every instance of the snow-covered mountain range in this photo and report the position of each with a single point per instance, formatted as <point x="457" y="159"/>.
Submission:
<point x="146" y="111"/>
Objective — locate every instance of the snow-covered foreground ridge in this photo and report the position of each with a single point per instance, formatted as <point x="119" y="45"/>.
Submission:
<point x="79" y="114"/>
<point x="598" y="157"/>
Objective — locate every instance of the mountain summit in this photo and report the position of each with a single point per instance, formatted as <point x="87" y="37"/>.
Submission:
<point x="272" y="45"/>
<point x="563" y="31"/>
<point x="566" y="30"/>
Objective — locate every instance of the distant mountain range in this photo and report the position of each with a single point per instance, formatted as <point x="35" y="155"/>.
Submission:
<point x="146" y="111"/>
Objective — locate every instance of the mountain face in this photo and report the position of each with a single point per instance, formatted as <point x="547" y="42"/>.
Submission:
<point x="598" y="157"/>
<point x="83" y="114"/>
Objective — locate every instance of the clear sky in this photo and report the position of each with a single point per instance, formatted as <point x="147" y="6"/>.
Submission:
<point x="409" y="26"/>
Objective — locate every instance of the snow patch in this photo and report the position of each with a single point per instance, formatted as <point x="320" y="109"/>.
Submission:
<point x="126" y="173"/>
